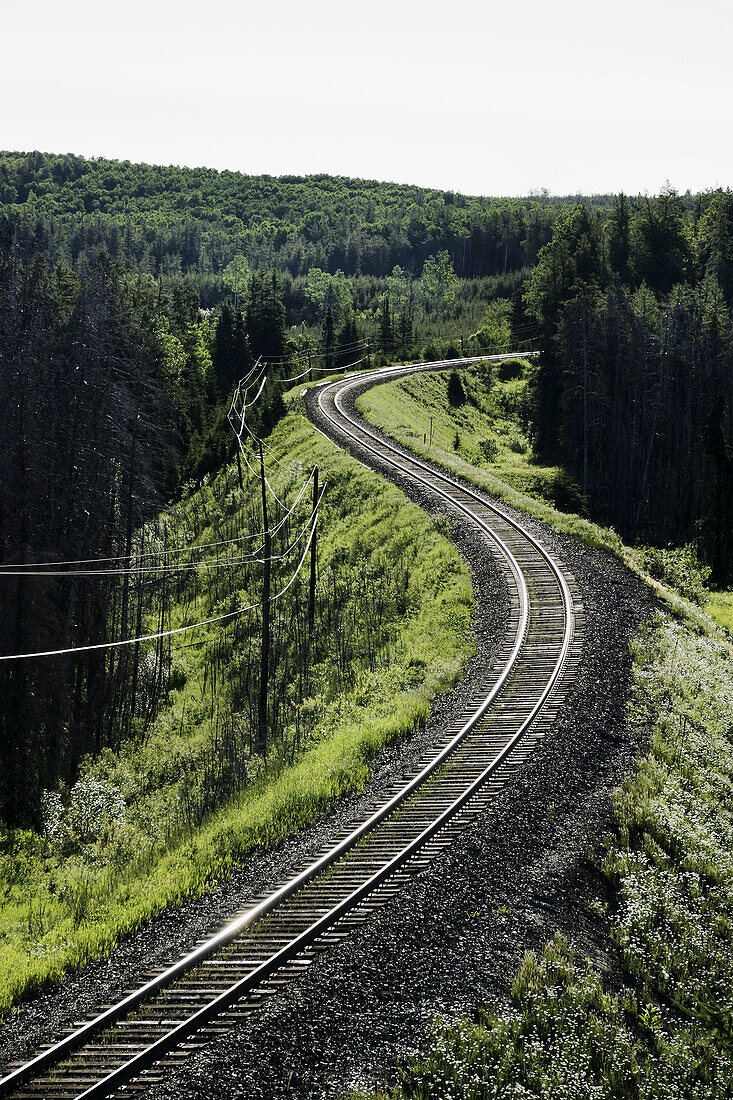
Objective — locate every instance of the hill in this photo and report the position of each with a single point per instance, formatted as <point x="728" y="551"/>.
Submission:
<point x="169" y="220"/>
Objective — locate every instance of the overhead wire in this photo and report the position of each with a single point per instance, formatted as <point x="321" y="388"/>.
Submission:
<point x="308" y="354"/>
<point x="136" y="571"/>
<point x="39" y="568"/>
<point x="179" y="629"/>
<point x="256" y="376"/>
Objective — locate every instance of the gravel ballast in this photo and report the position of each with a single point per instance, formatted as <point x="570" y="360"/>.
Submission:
<point x="453" y="937"/>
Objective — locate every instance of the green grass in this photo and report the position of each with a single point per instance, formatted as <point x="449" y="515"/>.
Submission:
<point x="668" y="1032"/>
<point x="61" y="906"/>
<point x="720" y="606"/>
<point x="485" y="441"/>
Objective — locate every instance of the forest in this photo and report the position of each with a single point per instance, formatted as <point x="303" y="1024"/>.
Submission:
<point x="634" y="394"/>
<point x="180" y="221"/>
<point x="133" y="298"/>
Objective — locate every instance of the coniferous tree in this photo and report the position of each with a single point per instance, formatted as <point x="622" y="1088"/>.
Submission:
<point x="619" y="244"/>
<point x="329" y="358"/>
<point x="386" y="334"/>
<point x="231" y="357"/>
<point x="347" y="350"/>
<point x="83" y="464"/>
<point x="265" y="316"/>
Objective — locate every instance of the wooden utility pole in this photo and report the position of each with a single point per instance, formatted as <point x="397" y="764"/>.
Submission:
<point x="265" y="657"/>
<point x="312" y="586"/>
<point x="239" y="468"/>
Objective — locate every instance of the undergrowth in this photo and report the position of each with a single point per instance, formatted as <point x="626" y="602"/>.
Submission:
<point x="720" y="606"/>
<point x="667" y="1031"/>
<point x="136" y="833"/>
<point x="484" y="438"/>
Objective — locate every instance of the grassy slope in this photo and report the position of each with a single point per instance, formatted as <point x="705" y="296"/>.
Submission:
<point x="490" y="422"/>
<point x="669" y="1031"/>
<point x="720" y="606"/>
<point x="59" y="910"/>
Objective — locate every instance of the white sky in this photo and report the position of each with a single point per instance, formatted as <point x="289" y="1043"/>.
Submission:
<point x="484" y="98"/>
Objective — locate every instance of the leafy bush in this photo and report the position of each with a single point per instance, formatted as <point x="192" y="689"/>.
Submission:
<point x="52" y="816"/>
<point x="488" y="449"/>
<point x="96" y="809"/>
<point x="565" y="493"/>
<point x="679" y="568"/>
<point x="509" y="369"/>
<point x="456" y="392"/>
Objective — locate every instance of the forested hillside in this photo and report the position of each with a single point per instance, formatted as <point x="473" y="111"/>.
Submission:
<point x="193" y="221"/>
<point x="115" y="389"/>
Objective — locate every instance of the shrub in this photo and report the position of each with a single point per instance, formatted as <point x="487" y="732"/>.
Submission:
<point x="52" y="816"/>
<point x="566" y="495"/>
<point x="456" y="392"/>
<point x="679" y="568"/>
<point x="510" y="369"/>
<point x="489" y="449"/>
<point x="96" y="809"/>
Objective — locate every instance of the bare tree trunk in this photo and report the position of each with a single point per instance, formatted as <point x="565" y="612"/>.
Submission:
<point x="585" y="406"/>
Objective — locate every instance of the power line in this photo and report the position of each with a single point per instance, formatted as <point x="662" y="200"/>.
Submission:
<point x="182" y="568"/>
<point x="178" y="629"/>
<point x="38" y="568"/>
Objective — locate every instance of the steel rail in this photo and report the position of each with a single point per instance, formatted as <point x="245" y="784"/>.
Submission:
<point x="214" y="1006"/>
<point x="352" y="382"/>
<point x="122" y="1008"/>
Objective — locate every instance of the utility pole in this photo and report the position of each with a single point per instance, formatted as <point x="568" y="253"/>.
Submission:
<point x="369" y="355"/>
<point x="265" y="657"/>
<point x="310" y="368"/>
<point x="431" y="432"/>
<point x="312" y="586"/>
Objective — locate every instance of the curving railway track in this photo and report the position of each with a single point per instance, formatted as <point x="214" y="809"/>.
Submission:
<point x="128" y="1046"/>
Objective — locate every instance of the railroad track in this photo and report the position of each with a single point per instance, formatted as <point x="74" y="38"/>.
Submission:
<point x="128" y="1046"/>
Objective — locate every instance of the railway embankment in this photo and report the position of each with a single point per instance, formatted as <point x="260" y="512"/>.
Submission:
<point x="453" y="938"/>
<point x="134" y="882"/>
<point x="651" y="1015"/>
<point x="604" y="856"/>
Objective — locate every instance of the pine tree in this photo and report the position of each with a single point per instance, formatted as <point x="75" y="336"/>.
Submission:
<point x="348" y="338"/>
<point x="265" y="316"/>
<point x="231" y="357"/>
<point x="386" y="335"/>
<point x="328" y="341"/>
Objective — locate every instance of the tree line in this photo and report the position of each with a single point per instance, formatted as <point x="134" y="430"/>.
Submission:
<point x="634" y="393"/>
<point x="87" y="452"/>
<point x="180" y="221"/>
<point x="114" y="390"/>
